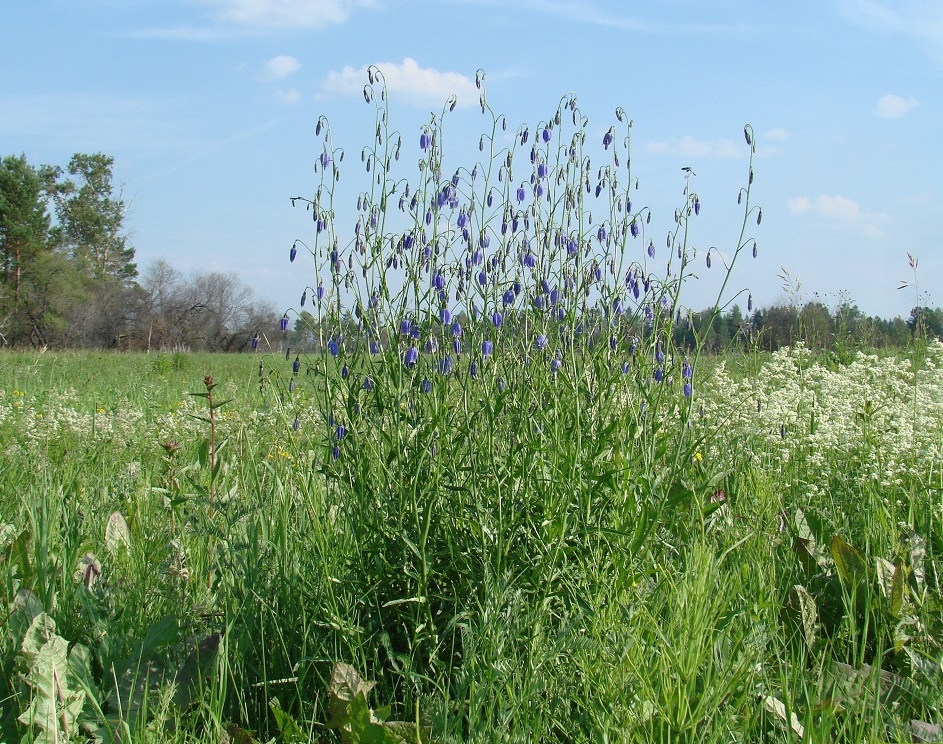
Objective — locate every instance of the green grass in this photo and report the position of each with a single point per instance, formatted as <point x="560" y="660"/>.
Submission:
<point x="537" y="579"/>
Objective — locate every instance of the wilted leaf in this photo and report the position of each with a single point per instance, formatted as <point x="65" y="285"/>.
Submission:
<point x="853" y="684"/>
<point x="55" y="702"/>
<point x="802" y="607"/>
<point x="353" y="717"/>
<point x="87" y="571"/>
<point x="778" y="709"/>
<point x="917" y="547"/>
<point x="922" y="731"/>
<point x="884" y="570"/>
<point x="117" y="534"/>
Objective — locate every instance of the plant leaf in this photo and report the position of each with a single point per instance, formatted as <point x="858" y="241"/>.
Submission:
<point x="778" y="709"/>
<point x="117" y="534"/>
<point x="852" y="568"/>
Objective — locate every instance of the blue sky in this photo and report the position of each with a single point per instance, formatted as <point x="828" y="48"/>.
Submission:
<point x="209" y="109"/>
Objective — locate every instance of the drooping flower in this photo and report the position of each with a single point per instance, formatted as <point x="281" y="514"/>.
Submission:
<point x="411" y="356"/>
<point x="541" y="342"/>
<point x="445" y="316"/>
<point x="497" y="319"/>
<point x="255" y="342"/>
<point x="283" y="323"/>
<point x="426" y="386"/>
<point x="446" y="365"/>
<point x="487" y="348"/>
<point x="687" y="390"/>
<point x="659" y="374"/>
<point x="457" y="329"/>
<point x="333" y="347"/>
<point x="296" y="365"/>
<point x="368" y="383"/>
<point x="292" y="253"/>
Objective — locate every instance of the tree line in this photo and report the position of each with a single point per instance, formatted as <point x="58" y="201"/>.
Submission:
<point x="839" y="330"/>
<point x="68" y="277"/>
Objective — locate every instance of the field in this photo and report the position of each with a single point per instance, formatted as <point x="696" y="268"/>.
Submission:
<point x="503" y="494"/>
<point x="513" y="565"/>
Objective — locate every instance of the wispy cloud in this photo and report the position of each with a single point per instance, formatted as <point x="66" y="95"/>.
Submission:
<point x="283" y="13"/>
<point x="840" y="212"/>
<point x="894" y="107"/>
<point x="239" y="18"/>
<point x="777" y="134"/>
<point x="280" y="67"/>
<point x="288" y="96"/>
<point x="691" y="147"/>
<point x="922" y="19"/>
<point x="419" y="86"/>
<point x="588" y="13"/>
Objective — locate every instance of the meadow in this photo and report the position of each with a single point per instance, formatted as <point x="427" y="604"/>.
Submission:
<point x="491" y="502"/>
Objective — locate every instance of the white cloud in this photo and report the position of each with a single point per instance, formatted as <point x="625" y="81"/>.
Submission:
<point x="799" y="204"/>
<point x="288" y="96"/>
<point x="284" y="13"/>
<point x="280" y="67"/>
<point x="777" y="134"/>
<point x="691" y="147"/>
<point x="408" y="81"/>
<point x="894" y="107"/>
<point x="841" y="212"/>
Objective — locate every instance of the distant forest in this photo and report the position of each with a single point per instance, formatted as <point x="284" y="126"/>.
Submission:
<point x="68" y="279"/>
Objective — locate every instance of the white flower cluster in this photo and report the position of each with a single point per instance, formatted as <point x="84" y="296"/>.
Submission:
<point x="877" y="420"/>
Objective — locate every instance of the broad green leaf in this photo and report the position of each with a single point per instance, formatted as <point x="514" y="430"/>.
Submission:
<point x="898" y="583"/>
<point x="289" y="729"/>
<point x="199" y="666"/>
<point x="852" y="568"/>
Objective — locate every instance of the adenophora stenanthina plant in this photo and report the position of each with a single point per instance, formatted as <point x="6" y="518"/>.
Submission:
<point x="514" y="310"/>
